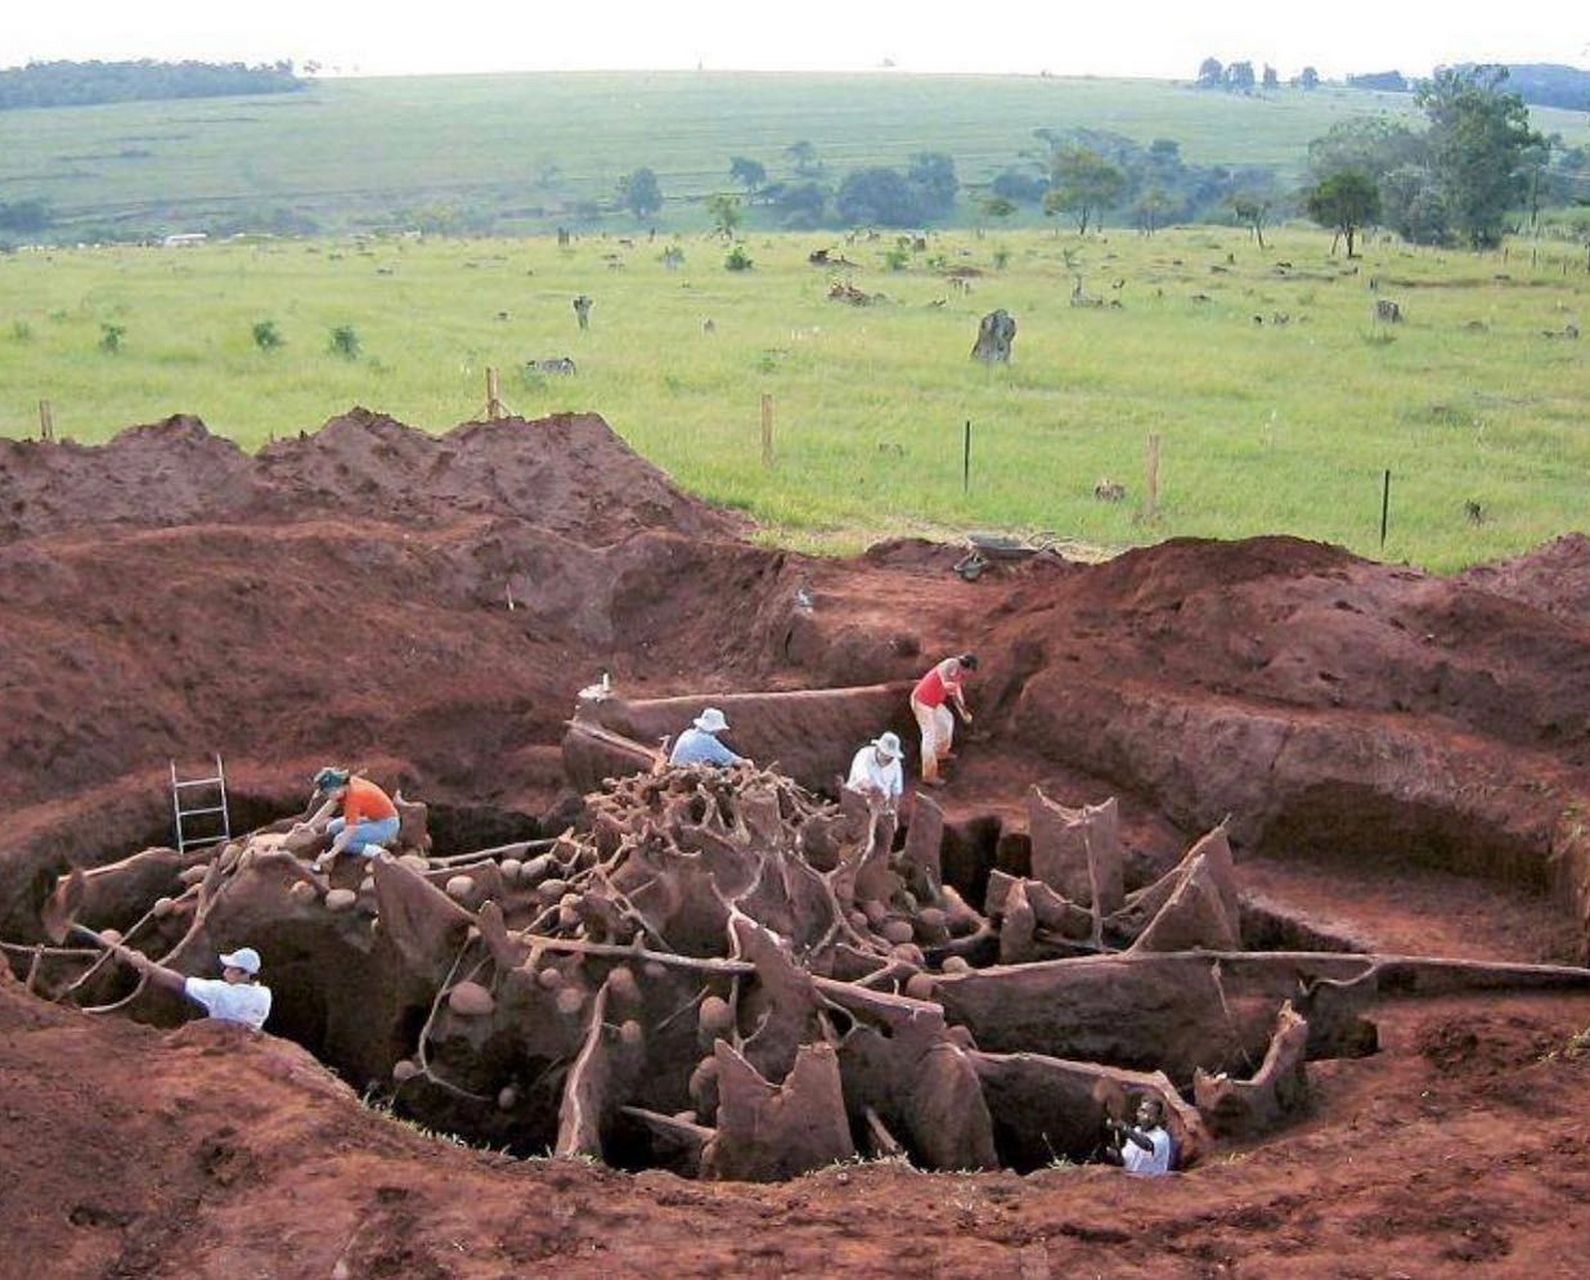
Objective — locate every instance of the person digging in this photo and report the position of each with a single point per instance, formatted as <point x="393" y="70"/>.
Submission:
<point x="930" y="704"/>
<point x="699" y="743"/>
<point x="875" y="772"/>
<point x="1145" y="1147"/>
<point x="369" y="820"/>
<point x="236" y="996"/>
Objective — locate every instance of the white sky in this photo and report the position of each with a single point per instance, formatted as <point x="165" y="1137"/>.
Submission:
<point x="1164" y="38"/>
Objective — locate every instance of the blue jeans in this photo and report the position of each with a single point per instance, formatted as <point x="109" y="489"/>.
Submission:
<point x="365" y="831"/>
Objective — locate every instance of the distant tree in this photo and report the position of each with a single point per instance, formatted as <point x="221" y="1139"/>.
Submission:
<point x="1083" y="183"/>
<point x="1412" y="204"/>
<point x="1211" y="75"/>
<point x="804" y="156"/>
<point x="1150" y="210"/>
<point x="25" y="215"/>
<point x="1344" y="201"/>
<point x="798" y="204"/>
<point x="1308" y="78"/>
<point x="1271" y="79"/>
<point x="877" y="196"/>
<point x="1385" y="81"/>
<point x="738" y="259"/>
<point x="1479" y="144"/>
<point x="1374" y="144"/>
<point x="998" y="207"/>
<point x="267" y="337"/>
<point x="750" y="174"/>
<point x="1239" y="76"/>
<point x="724" y="210"/>
<point x="639" y="193"/>
<point x="1251" y="212"/>
<point x="1017" y="185"/>
<point x="71" y="84"/>
<point x="932" y="175"/>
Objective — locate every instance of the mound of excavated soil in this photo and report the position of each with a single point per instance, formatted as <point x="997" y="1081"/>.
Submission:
<point x="1554" y="578"/>
<point x="428" y="607"/>
<point x="570" y="475"/>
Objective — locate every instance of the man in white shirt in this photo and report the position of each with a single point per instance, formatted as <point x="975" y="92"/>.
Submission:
<point x="1145" y="1148"/>
<point x="236" y="996"/>
<point x="875" y="771"/>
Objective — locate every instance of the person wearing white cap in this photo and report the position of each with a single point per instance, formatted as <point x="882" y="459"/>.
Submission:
<point x="236" y="996"/>
<point x="875" y="771"/>
<point x="699" y="743"/>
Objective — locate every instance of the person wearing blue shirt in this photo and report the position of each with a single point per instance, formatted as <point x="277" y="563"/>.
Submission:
<point x="699" y="744"/>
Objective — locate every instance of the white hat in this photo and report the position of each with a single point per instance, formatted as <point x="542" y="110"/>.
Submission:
<point x="244" y="958"/>
<point x="889" y="744"/>
<point x="711" y="721"/>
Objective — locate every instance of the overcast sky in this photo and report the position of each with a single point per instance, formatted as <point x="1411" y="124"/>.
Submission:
<point x="1164" y="38"/>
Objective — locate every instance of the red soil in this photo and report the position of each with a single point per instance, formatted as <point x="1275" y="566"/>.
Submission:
<point x="1400" y="753"/>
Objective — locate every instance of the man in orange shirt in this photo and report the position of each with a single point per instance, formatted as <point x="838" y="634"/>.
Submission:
<point x="369" y="820"/>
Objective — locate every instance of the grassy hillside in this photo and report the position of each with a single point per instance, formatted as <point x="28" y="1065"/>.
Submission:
<point x="1278" y="397"/>
<point x="518" y="152"/>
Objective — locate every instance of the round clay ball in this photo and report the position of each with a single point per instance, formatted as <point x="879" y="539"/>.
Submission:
<point x="715" y="1016"/>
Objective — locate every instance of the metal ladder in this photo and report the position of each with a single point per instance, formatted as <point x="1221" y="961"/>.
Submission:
<point x="216" y="785"/>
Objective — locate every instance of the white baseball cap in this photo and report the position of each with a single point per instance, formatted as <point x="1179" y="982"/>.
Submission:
<point x="244" y="958"/>
<point x="889" y="744"/>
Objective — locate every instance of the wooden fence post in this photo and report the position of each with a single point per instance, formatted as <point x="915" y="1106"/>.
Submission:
<point x="1151" y="489"/>
<point x="767" y="430"/>
<point x="494" y="410"/>
<point x="46" y="421"/>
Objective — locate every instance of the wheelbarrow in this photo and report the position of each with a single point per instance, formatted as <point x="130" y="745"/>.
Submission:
<point x="984" y="550"/>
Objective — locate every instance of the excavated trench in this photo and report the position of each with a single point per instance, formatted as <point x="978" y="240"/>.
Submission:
<point x="726" y="975"/>
<point x="747" y="975"/>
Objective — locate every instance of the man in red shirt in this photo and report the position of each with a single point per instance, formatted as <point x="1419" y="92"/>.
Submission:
<point x="369" y="821"/>
<point x="930" y="704"/>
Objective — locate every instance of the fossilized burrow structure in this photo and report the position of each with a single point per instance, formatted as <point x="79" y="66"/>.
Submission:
<point x="719" y="973"/>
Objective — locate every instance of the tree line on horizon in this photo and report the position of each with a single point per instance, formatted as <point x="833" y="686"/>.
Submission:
<point x="1476" y="161"/>
<point x="79" y="84"/>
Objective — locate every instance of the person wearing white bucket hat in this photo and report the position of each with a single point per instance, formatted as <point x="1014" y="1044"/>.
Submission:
<point x="236" y="996"/>
<point x="875" y="772"/>
<point x="699" y="743"/>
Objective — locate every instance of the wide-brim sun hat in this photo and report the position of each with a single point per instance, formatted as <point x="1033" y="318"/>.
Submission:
<point x="889" y="744"/>
<point x="244" y="958"/>
<point x="711" y="721"/>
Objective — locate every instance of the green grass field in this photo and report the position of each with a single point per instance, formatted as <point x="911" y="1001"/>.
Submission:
<point x="524" y="149"/>
<point x="1265" y="427"/>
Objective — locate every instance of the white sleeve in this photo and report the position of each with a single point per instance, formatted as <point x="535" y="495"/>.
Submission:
<point x="860" y="775"/>
<point x="207" y="992"/>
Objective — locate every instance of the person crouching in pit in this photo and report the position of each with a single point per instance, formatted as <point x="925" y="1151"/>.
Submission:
<point x="930" y="705"/>
<point x="1145" y="1147"/>
<point x="369" y="820"/>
